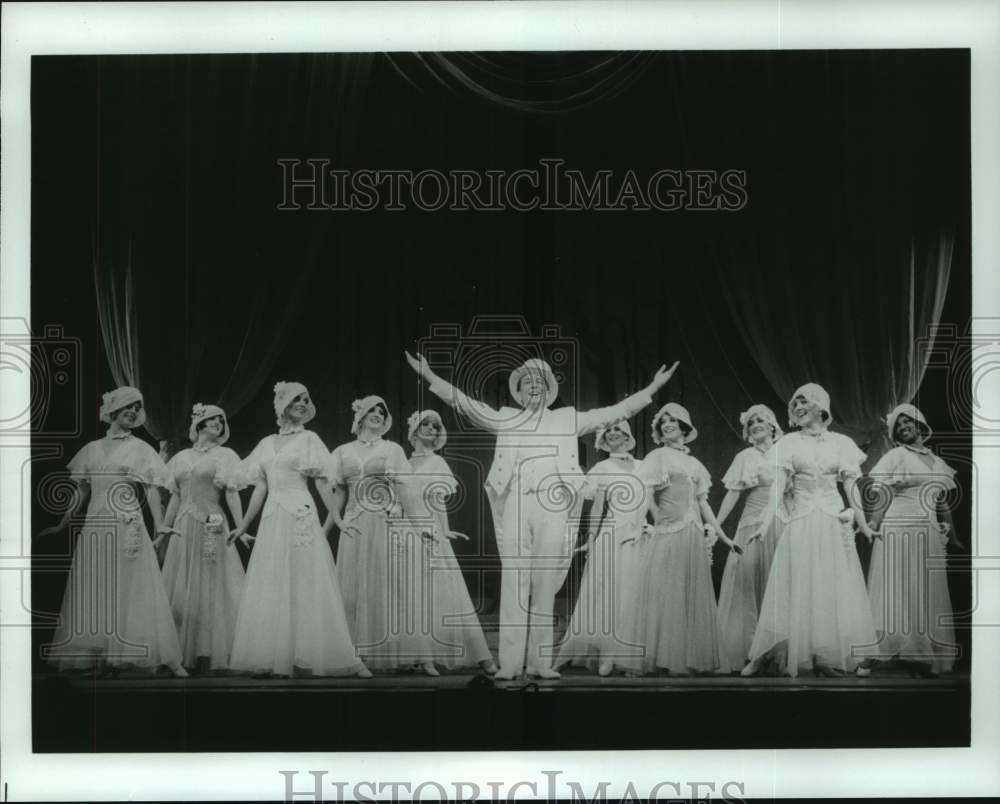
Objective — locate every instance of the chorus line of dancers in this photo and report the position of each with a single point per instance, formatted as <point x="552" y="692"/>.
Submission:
<point x="793" y="596"/>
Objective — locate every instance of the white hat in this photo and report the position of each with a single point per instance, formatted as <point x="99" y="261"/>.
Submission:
<point x="200" y="413"/>
<point x="913" y="413"/>
<point x="813" y="393"/>
<point x="678" y="412"/>
<point x="766" y="414"/>
<point x="363" y="406"/>
<point x="284" y="393"/>
<point x="534" y="364"/>
<point x="122" y="397"/>
<point x="601" y="443"/>
<point x="417" y="418"/>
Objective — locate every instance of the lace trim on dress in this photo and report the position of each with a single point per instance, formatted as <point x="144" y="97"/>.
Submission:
<point x="305" y="526"/>
<point x="132" y="543"/>
<point x="214" y="530"/>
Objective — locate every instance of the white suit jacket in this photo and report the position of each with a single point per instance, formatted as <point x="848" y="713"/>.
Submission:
<point x="523" y="435"/>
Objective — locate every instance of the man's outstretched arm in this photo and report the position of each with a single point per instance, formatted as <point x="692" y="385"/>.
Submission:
<point x="590" y="420"/>
<point x="479" y="413"/>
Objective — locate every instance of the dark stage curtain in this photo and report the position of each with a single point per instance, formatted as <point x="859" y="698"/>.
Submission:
<point x="838" y="267"/>
<point x="865" y="336"/>
<point x="536" y="82"/>
<point x="175" y="237"/>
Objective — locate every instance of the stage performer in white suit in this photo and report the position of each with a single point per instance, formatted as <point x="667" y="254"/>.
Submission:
<point x="533" y="488"/>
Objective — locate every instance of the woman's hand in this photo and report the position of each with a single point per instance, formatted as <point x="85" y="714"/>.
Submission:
<point x="755" y="536"/>
<point x="348" y="530"/>
<point x="945" y="529"/>
<point x="51" y="530"/>
<point x="234" y="534"/>
<point x="711" y="536"/>
<point x="454" y="534"/>
<point x="869" y="533"/>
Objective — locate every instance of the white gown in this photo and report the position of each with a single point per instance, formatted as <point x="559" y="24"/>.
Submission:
<point x="291" y="615"/>
<point x="907" y="582"/>
<point x="115" y="609"/>
<point x="815" y="602"/>
<point x="203" y="576"/>
<point x="601" y="627"/>
<point x="676" y="620"/>
<point x="387" y="592"/>
<point x="458" y="639"/>
<point x="745" y="576"/>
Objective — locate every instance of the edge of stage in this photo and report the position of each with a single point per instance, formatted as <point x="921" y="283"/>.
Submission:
<point x="469" y="712"/>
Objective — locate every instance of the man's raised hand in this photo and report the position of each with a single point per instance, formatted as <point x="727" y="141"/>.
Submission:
<point x="419" y="365"/>
<point x="663" y="374"/>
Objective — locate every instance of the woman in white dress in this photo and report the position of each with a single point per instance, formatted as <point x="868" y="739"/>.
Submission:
<point x="382" y="555"/>
<point x="747" y="566"/>
<point x="202" y="571"/>
<point x="115" y="613"/>
<point x="458" y="636"/>
<point x="677" y="621"/>
<point x="815" y="611"/>
<point x="600" y="628"/>
<point x="909" y="598"/>
<point x="291" y="617"/>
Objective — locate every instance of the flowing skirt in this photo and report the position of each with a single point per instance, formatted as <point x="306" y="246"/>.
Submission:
<point x="601" y="627"/>
<point x="457" y="636"/>
<point x="676" y="620"/>
<point x="815" y="603"/>
<point x="908" y="591"/>
<point x="204" y="581"/>
<point x="387" y="595"/>
<point x="742" y="592"/>
<point x="115" y="609"/>
<point x="291" y="615"/>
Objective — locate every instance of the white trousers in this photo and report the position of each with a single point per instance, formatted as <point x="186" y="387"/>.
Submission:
<point x="536" y="549"/>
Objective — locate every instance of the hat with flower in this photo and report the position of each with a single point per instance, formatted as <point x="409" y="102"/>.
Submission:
<point x="362" y="407"/>
<point x="200" y="413"/>
<point x="284" y="393"/>
<point x="121" y="397"/>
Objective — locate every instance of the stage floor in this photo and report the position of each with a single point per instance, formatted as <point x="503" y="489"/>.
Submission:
<point x="466" y="712"/>
<point x="573" y="680"/>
